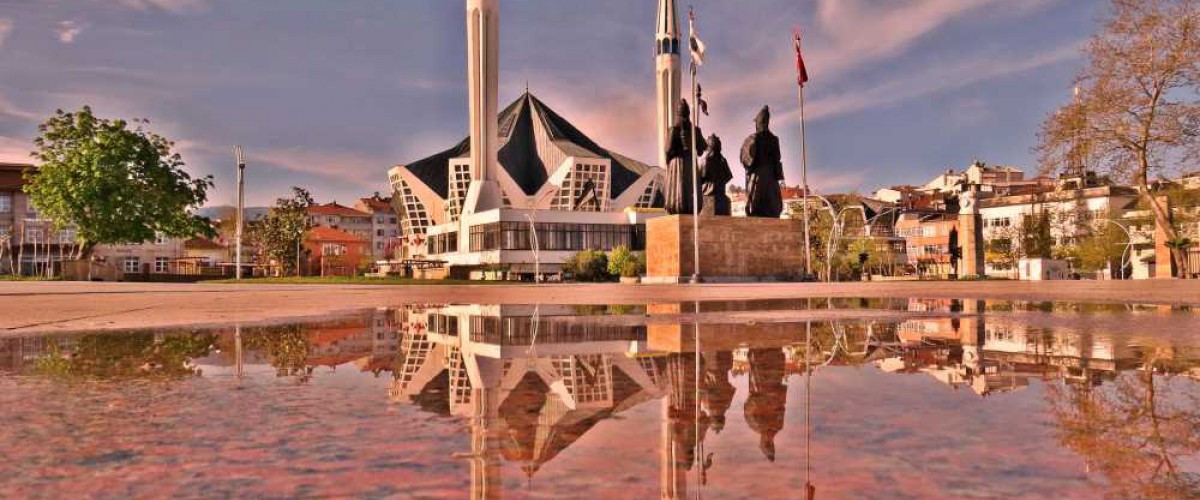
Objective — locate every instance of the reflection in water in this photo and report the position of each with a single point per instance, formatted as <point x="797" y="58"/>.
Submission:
<point x="531" y="381"/>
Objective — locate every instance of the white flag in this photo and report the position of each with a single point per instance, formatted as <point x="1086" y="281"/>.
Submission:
<point x="697" y="45"/>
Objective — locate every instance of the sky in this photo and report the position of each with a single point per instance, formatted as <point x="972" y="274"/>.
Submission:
<point x="329" y="95"/>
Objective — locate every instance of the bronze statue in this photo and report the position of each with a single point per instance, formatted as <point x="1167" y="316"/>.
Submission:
<point x="714" y="175"/>
<point x="679" y="161"/>
<point x="764" y="170"/>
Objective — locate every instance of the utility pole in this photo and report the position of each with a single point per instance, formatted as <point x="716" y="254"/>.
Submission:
<point x="240" y="156"/>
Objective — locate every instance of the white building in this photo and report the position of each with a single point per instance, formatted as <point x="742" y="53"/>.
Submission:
<point x="1071" y="213"/>
<point x="473" y="207"/>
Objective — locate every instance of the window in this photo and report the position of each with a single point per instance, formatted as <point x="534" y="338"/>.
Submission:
<point x="67" y="236"/>
<point x="132" y="265"/>
<point x="554" y="236"/>
<point x="161" y="239"/>
<point x="378" y="232"/>
<point x="575" y="196"/>
<point x="333" y="249"/>
<point x="33" y="235"/>
<point x="162" y="264"/>
<point x="5" y="203"/>
<point x="460" y="182"/>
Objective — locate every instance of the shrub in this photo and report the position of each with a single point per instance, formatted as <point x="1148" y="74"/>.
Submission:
<point x="588" y="265"/>
<point x="624" y="263"/>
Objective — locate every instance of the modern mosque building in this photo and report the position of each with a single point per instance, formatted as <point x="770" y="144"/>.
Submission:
<point x="475" y="206"/>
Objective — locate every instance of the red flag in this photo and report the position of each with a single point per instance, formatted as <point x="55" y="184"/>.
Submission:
<point x="801" y="70"/>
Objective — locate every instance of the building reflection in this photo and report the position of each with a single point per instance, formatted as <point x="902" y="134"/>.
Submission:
<point x="532" y="380"/>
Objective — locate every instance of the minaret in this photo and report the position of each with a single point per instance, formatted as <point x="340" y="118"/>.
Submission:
<point x="667" y="77"/>
<point x="483" y="82"/>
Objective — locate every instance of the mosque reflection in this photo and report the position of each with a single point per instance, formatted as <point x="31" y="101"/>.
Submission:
<point x="532" y="380"/>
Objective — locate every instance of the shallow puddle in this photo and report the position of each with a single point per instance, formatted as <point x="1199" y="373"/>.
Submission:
<point x="862" y="398"/>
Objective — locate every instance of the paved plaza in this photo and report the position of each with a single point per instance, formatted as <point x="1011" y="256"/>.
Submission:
<point x="29" y="307"/>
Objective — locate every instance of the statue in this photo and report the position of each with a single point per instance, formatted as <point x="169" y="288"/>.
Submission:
<point x="764" y="170"/>
<point x="679" y="161"/>
<point x="968" y="201"/>
<point x="714" y="175"/>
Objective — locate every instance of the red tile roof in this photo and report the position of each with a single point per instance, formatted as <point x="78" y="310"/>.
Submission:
<point x="335" y="209"/>
<point x="323" y="233"/>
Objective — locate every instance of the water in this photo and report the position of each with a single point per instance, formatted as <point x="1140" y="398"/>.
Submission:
<point x="904" y="399"/>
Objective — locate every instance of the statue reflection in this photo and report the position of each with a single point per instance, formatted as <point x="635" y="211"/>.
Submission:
<point x="764" y="409"/>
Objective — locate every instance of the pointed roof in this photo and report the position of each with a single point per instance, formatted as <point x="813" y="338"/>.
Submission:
<point x="534" y="140"/>
<point x="668" y="19"/>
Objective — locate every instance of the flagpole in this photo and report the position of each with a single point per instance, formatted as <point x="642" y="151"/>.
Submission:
<point x="804" y="182"/>
<point x="695" y="156"/>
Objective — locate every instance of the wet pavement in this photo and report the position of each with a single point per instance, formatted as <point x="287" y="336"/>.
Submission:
<point x="854" y="398"/>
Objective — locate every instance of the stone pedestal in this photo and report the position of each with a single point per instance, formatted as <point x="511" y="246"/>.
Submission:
<point x="732" y="249"/>
<point x="970" y="239"/>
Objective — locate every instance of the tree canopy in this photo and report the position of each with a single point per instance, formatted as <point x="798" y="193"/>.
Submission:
<point x="114" y="180"/>
<point x="281" y="232"/>
<point x="1137" y="109"/>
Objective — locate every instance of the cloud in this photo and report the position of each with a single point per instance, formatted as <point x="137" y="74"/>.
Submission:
<point x="353" y="168"/>
<point x="172" y="6"/>
<point x="852" y="34"/>
<point x="932" y="80"/>
<point x="68" y="30"/>
<point x="5" y="28"/>
<point x="7" y="108"/>
<point x="14" y="150"/>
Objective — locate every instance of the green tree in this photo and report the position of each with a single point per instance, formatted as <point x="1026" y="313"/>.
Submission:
<point x="1103" y="246"/>
<point x="114" y="180"/>
<point x="280" y="234"/>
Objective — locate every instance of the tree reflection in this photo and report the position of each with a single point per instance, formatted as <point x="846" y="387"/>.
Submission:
<point x="1136" y="431"/>
<point x="286" y="347"/>
<point x="127" y="355"/>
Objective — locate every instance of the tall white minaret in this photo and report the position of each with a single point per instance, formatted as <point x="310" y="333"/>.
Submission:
<point x="483" y="82"/>
<point x="667" y="76"/>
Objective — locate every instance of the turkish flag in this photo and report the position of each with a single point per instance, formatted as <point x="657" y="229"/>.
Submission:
<point x="801" y="69"/>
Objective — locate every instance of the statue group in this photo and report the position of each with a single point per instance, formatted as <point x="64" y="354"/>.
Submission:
<point x="760" y="157"/>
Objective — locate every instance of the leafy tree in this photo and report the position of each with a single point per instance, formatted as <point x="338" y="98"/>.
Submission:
<point x="1138" y="110"/>
<point x="114" y="183"/>
<point x="280" y="234"/>
<point x="1103" y="246"/>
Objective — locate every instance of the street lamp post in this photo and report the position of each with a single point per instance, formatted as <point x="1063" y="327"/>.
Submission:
<point x="1126" y="254"/>
<point x="531" y="205"/>
<point x="240" y="156"/>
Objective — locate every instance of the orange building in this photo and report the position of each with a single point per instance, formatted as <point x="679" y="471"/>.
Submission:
<point x="333" y="252"/>
<point x="928" y="239"/>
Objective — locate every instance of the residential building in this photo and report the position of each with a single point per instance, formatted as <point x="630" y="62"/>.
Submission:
<point x="1071" y="212"/>
<point x="334" y="252"/>
<point x="158" y="256"/>
<point x="929" y="239"/>
<point x="342" y="218"/>
<point x="28" y="242"/>
<point x="385" y="226"/>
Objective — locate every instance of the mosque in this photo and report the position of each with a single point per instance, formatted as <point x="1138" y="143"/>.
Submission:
<point x="526" y="188"/>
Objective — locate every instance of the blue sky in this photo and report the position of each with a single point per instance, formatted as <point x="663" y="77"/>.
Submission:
<point x="329" y="95"/>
